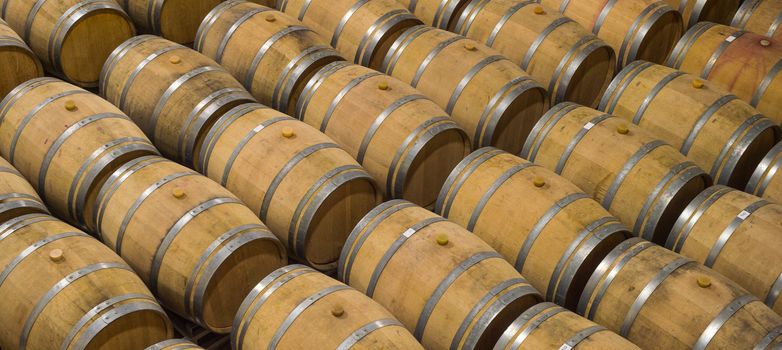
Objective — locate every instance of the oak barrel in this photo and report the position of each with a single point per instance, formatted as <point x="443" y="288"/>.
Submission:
<point x="744" y="63"/>
<point x="717" y="130"/>
<point x="694" y="11"/>
<point x="490" y="97"/>
<point x="17" y="62"/>
<point x="175" y="344"/>
<point x="437" y="13"/>
<point x="269" y="52"/>
<point x="636" y="29"/>
<point x="552" y="233"/>
<point x="760" y="16"/>
<point x="643" y="181"/>
<point x="764" y="181"/>
<point x="66" y="141"/>
<point x="548" y="326"/>
<point x="198" y="248"/>
<point x="573" y="63"/>
<point x="172" y="92"/>
<point x="361" y="30"/>
<point x="17" y="196"/>
<point x="661" y="300"/>
<point x="465" y="294"/>
<point x="297" y="307"/>
<point x="72" y="37"/>
<point x="175" y="20"/>
<point x="62" y="289"/>
<point x="310" y="192"/>
<point x="407" y="142"/>
<point x="736" y="234"/>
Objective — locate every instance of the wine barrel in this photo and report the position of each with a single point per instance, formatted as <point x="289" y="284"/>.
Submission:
<point x="172" y="92"/>
<point x="490" y="97"/>
<point x="743" y="63"/>
<point x="297" y="307"/>
<point x="62" y="289"/>
<point x="17" y="62"/>
<point x="465" y="294"/>
<point x="175" y="344"/>
<point x="360" y="30"/>
<point x="271" y="53"/>
<point x="437" y="13"/>
<point x="645" y="182"/>
<point x="764" y="182"/>
<point x="548" y="326"/>
<point x="736" y="234"/>
<point x="717" y="130"/>
<point x="66" y="141"/>
<point x="694" y="11"/>
<point x="636" y="29"/>
<point x="17" y="196"/>
<point x="407" y="142"/>
<point x="574" y="64"/>
<point x="551" y="232"/>
<point x="73" y="38"/>
<point x="661" y="300"/>
<point x="760" y="16"/>
<point x="198" y="247"/>
<point x="175" y="20"/>
<point x="309" y="191"/>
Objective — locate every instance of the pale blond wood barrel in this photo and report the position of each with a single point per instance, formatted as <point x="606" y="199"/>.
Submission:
<point x="551" y="232"/>
<point x="661" y="300"/>
<point x="17" y="196"/>
<point x="361" y="30"/>
<point x="198" y="247"/>
<point x="570" y="61"/>
<point x="442" y="282"/>
<point x="760" y="16"/>
<point x="636" y="29"/>
<point x="175" y="344"/>
<point x="66" y="141"/>
<point x="407" y="142"/>
<point x="549" y="326"/>
<point x="62" y="289"/>
<point x="764" y="181"/>
<point x="175" y="20"/>
<point x="72" y="37"/>
<point x="490" y="97"/>
<point x="271" y="53"/>
<point x="310" y="192"/>
<point x="720" y="132"/>
<point x="297" y="307"/>
<point x="173" y="93"/>
<point x="736" y="234"/>
<point x="744" y="63"/>
<point x="17" y="62"/>
<point x="642" y="180"/>
<point x="437" y="13"/>
<point x="694" y="11"/>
